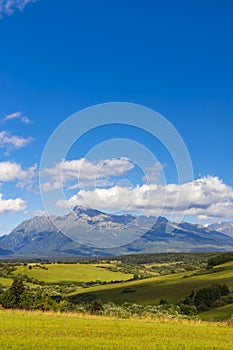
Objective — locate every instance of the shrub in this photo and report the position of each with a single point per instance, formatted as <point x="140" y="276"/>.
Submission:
<point x="128" y="290"/>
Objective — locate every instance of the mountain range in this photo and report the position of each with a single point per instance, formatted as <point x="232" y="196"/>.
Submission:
<point x="40" y="237"/>
<point x="223" y="227"/>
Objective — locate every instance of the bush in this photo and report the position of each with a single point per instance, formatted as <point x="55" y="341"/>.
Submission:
<point x="7" y="300"/>
<point x="220" y="259"/>
<point x="208" y="297"/>
<point x="128" y="290"/>
<point x="188" y="309"/>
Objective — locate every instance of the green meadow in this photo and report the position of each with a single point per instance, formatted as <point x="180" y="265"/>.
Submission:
<point x="71" y="273"/>
<point x="95" y="280"/>
<point x="171" y="287"/>
<point x="37" y="330"/>
<point x="217" y="314"/>
<point x="5" y="281"/>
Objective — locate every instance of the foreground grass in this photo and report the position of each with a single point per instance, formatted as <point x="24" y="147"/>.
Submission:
<point x="37" y="330"/>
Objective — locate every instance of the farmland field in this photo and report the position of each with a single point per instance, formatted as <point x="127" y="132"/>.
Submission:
<point x="172" y="287"/>
<point x="37" y="330"/>
<point x="5" y="281"/>
<point x="71" y="273"/>
<point x="85" y="282"/>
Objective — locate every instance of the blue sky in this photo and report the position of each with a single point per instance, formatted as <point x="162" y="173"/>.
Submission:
<point x="59" y="57"/>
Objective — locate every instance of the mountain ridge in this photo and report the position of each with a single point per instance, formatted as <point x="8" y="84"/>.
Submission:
<point x="41" y="235"/>
<point x="225" y="227"/>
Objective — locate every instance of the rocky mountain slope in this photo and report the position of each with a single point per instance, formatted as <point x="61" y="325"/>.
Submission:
<point x="224" y="227"/>
<point x="90" y="231"/>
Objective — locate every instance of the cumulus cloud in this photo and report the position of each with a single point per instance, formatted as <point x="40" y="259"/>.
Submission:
<point x="85" y="172"/>
<point x="12" y="142"/>
<point x="208" y="197"/>
<point x="154" y="173"/>
<point x="17" y="115"/>
<point x="11" y="205"/>
<point x="50" y="186"/>
<point x="11" y="171"/>
<point x="8" y="7"/>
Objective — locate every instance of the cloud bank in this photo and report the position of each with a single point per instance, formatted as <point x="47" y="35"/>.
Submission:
<point x="205" y="198"/>
<point x="209" y="198"/>
<point x="85" y="172"/>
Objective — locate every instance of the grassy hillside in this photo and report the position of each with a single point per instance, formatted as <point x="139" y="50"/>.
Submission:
<point x="5" y="281"/>
<point x="74" y="280"/>
<point x="217" y="314"/>
<point x="171" y="287"/>
<point x="71" y="273"/>
<point x="37" y="330"/>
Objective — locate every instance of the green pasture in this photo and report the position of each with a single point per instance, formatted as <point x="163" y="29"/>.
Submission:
<point x="218" y="314"/>
<point x="6" y="282"/>
<point x="172" y="287"/>
<point x="70" y="273"/>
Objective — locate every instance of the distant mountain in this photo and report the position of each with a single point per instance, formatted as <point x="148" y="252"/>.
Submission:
<point x="4" y="251"/>
<point x="224" y="227"/>
<point x="40" y="237"/>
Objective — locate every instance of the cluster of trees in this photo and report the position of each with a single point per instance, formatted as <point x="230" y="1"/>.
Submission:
<point x="23" y="297"/>
<point x="220" y="259"/>
<point x="19" y="296"/>
<point x="6" y="269"/>
<point x="187" y="258"/>
<point x="206" y="298"/>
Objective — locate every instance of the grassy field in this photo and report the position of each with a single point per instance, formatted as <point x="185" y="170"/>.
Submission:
<point x="37" y="330"/>
<point x="5" y="281"/>
<point x="150" y="291"/>
<point x="71" y="273"/>
<point x="171" y="287"/>
<point x="218" y="314"/>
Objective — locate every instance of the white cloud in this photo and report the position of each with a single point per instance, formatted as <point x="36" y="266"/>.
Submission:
<point x="12" y="142"/>
<point x="11" y="116"/>
<point x="209" y="197"/>
<point x="37" y="213"/>
<point x="11" y="171"/>
<point x="154" y="173"/>
<point x="11" y="205"/>
<point x="50" y="186"/>
<point x="85" y="172"/>
<point x="17" y="115"/>
<point x="25" y="120"/>
<point x="8" y="7"/>
<point x="89" y="183"/>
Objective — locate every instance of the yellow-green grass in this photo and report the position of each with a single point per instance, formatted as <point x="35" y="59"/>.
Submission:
<point x="172" y="287"/>
<point x="6" y="282"/>
<point x="71" y="273"/>
<point x="171" y="263"/>
<point x="217" y="314"/>
<point x="227" y="265"/>
<point x="37" y="330"/>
